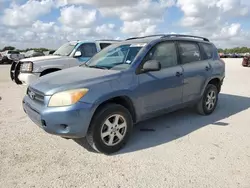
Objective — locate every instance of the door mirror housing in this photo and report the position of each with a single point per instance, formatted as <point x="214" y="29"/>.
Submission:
<point x="151" y="65"/>
<point x="78" y="54"/>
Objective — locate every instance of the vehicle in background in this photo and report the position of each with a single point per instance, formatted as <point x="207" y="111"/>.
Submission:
<point x="49" y="52"/>
<point x="98" y="103"/>
<point x="33" y="53"/>
<point x="222" y="55"/>
<point x="68" y="55"/>
<point x="246" y="61"/>
<point x="7" y="57"/>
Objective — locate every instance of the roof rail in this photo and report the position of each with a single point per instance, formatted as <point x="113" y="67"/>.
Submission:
<point x="159" y="35"/>
<point x="169" y="35"/>
<point x="108" y="40"/>
<point x="189" y="36"/>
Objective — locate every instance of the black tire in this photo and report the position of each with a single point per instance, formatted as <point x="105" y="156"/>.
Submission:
<point x="201" y="107"/>
<point x="94" y="133"/>
<point x="6" y="60"/>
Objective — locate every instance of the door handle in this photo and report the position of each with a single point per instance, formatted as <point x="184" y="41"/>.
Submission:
<point x="178" y="74"/>
<point x="207" y="68"/>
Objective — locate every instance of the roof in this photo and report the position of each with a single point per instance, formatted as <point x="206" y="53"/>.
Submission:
<point x="102" y="40"/>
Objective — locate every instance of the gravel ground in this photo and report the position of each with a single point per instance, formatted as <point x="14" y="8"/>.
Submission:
<point x="185" y="150"/>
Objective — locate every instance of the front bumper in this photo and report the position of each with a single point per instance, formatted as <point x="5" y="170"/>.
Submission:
<point x="28" y="78"/>
<point x="19" y="77"/>
<point x="69" y="122"/>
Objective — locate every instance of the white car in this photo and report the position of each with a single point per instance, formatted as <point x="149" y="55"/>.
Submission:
<point x="68" y="55"/>
<point x="8" y="56"/>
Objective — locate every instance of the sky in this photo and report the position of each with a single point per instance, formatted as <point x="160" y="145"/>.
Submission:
<point x="50" y="23"/>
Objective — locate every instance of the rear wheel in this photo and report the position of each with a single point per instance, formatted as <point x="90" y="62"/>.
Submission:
<point x="208" y="102"/>
<point x="110" y="129"/>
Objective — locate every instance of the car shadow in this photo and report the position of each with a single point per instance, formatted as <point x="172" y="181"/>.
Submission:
<point x="175" y="125"/>
<point x="172" y="126"/>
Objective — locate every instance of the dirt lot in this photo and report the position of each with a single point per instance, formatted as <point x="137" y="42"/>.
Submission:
<point x="185" y="150"/>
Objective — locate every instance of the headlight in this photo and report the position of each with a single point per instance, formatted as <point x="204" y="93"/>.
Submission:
<point x="67" y="98"/>
<point x="26" y="67"/>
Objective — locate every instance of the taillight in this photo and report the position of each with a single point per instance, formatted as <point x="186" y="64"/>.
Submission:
<point x="222" y="61"/>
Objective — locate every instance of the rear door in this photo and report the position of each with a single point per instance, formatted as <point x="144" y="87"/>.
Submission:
<point x="196" y="69"/>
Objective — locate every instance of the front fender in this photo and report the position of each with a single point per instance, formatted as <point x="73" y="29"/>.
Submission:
<point x="46" y="67"/>
<point x="53" y="64"/>
<point x="120" y="93"/>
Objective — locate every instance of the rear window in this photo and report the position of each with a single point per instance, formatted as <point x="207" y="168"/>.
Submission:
<point x="208" y="49"/>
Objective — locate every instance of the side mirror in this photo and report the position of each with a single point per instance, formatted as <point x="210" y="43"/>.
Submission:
<point x="78" y="54"/>
<point x="151" y="65"/>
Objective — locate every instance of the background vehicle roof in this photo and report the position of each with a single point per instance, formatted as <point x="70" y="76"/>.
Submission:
<point x="94" y="41"/>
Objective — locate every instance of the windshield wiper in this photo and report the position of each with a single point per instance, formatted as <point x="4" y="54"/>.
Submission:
<point x="97" y="67"/>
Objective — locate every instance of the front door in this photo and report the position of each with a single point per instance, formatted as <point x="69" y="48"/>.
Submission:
<point x="87" y="50"/>
<point x="162" y="89"/>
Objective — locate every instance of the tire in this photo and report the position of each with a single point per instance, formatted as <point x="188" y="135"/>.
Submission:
<point x="109" y="113"/>
<point x="84" y="143"/>
<point x="5" y="61"/>
<point x="207" y="109"/>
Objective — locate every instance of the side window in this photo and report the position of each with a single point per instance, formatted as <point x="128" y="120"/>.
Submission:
<point x="104" y="45"/>
<point x="88" y="49"/>
<point x="189" y="52"/>
<point x="208" y="49"/>
<point x="165" y="53"/>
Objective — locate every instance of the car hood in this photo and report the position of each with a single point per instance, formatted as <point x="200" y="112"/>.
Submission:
<point x="43" y="58"/>
<point x="72" y="78"/>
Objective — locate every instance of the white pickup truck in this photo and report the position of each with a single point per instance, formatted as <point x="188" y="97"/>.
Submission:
<point x="68" y="55"/>
<point x="8" y="56"/>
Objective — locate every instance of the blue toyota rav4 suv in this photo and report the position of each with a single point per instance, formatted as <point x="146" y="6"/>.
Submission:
<point x="127" y="82"/>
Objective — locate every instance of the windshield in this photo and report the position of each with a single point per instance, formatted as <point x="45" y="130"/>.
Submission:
<point x="65" y="50"/>
<point x="116" y="56"/>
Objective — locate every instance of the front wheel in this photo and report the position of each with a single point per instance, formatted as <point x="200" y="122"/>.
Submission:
<point x="208" y="102"/>
<point x="110" y="129"/>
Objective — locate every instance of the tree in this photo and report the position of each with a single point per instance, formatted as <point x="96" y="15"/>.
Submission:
<point x="8" y="48"/>
<point x="235" y="50"/>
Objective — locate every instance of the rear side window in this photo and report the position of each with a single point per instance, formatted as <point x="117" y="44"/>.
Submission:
<point x="208" y="49"/>
<point x="104" y="45"/>
<point x="189" y="52"/>
<point x="88" y="49"/>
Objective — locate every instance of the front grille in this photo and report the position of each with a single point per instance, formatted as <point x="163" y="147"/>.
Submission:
<point x="35" y="95"/>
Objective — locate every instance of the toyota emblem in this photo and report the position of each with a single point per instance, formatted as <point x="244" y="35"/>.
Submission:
<point x="32" y="95"/>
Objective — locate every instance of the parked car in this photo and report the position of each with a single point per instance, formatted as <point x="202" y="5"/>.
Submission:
<point x="7" y="57"/>
<point x="222" y="55"/>
<point x="68" y="55"/>
<point x="98" y="103"/>
<point x="246" y="61"/>
<point x="33" y="53"/>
